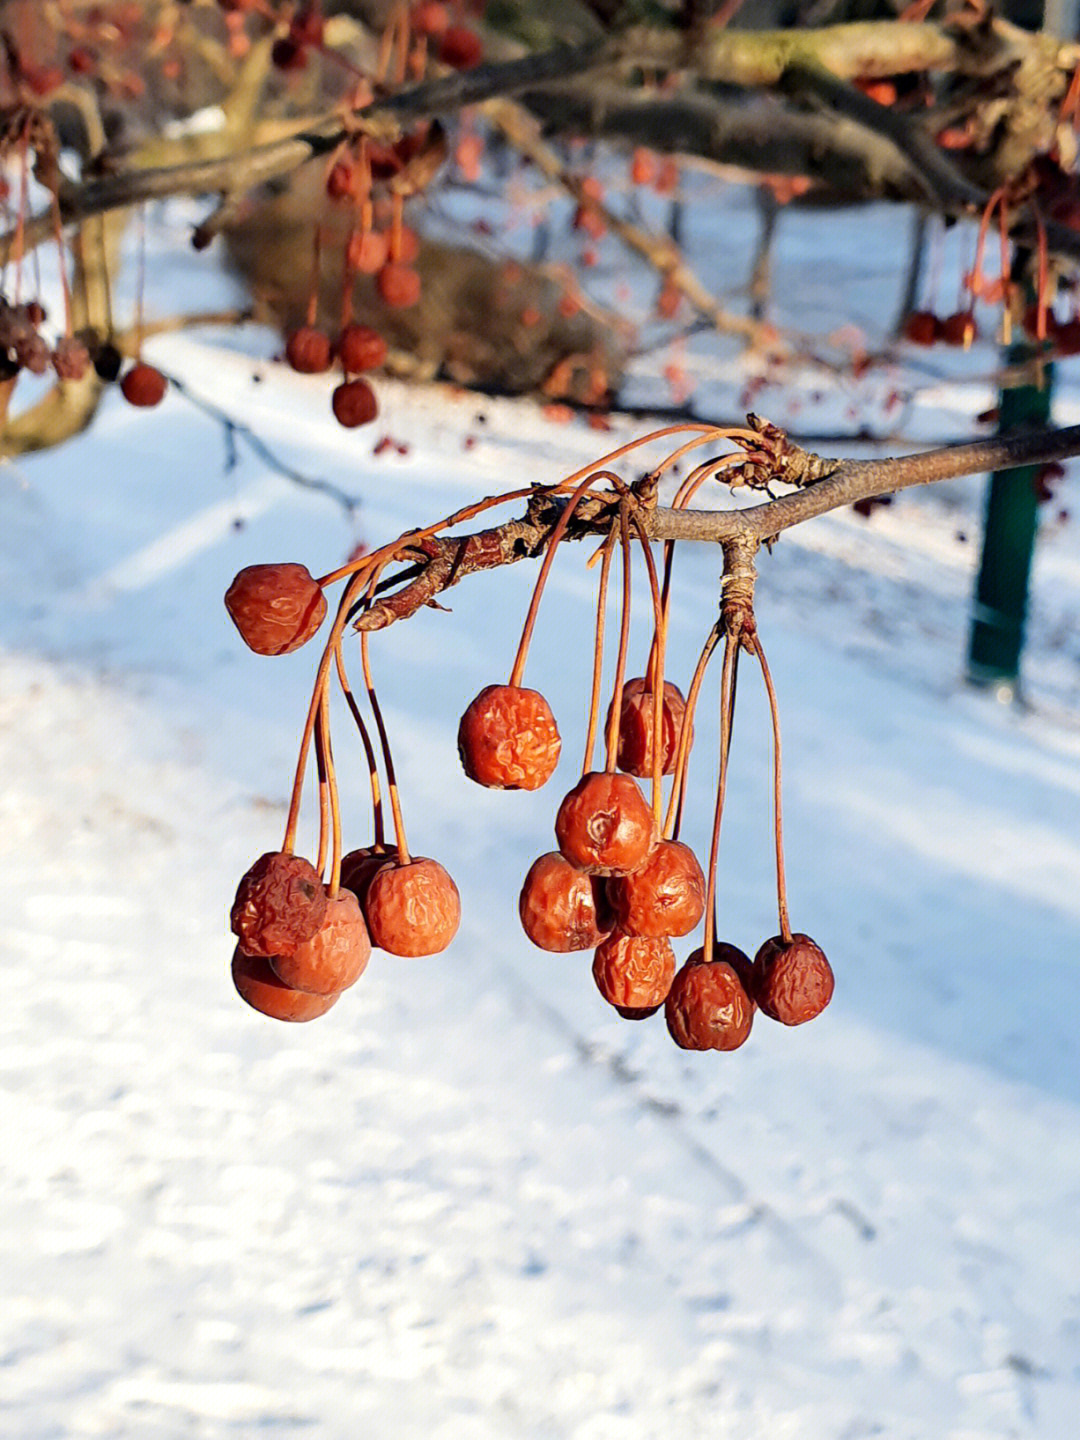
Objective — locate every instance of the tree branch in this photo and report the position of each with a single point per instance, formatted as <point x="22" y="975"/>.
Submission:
<point x="826" y="485"/>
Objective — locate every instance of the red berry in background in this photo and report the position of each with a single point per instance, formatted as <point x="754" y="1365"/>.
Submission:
<point x="642" y="166"/>
<point x="605" y="825"/>
<point x="792" y="979"/>
<point x="354" y="404"/>
<point x="708" y="1006"/>
<point x="143" y="385"/>
<point x="665" y="897"/>
<point x="336" y="955"/>
<point x="71" y="358"/>
<point x="430" y="17"/>
<point x="921" y="327"/>
<point x="276" y="608"/>
<point x="359" y="868"/>
<point x="360" y="348"/>
<point x="633" y="972"/>
<point x="562" y="908"/>
<point x="342" y="179"/>
<point x="399" y="285"/>
<point x="308" y="350"/>
<point x="413" y="909"/>
<point x="1067" y="337"/>
<point x="257" y="984"/>
<point x="366" y="251"/>
<point x="460" y="48"/>
<point x="635" y="751"/>
<point x="280" y="903"/>
<point x="959" y="329"/>
<point x="508" y="739"/>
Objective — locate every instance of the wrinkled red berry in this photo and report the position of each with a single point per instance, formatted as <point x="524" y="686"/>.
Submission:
<point x="360" y="348"/>
<point x="635" y="752"/>
<point x="561" y="907"/>
<point x="257" y="984"/>
<point x="280" y="903"/>
<point x="354" y="404"/>
<point x="336" y="955"/>
<point x="634" y="972"/>
<point x="959" y="329"/>
<point x="399" y="285"/>
<point x="359" y="868"/>
<point x="308" y="350"/>
<point x="793" y="981"/>
<point x="143" y="386"/>
<point x="413" y="909"/>
<point x="605" y="825"/>
<point x="276" y="608"/>
<point x="666" y="896"/>
<point x="508" y="739"/>
<point x="708" y="1007"/>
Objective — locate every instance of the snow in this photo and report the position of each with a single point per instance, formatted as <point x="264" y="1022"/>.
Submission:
<point x="470" y="1200"/>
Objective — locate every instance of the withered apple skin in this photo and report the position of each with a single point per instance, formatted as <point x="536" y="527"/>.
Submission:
<point x="508" y="739"/>
<point x="792" y="980"/>
<point x="605" y="825"/>
<point x="562" y="908"/>
<point x="413" y="909"/>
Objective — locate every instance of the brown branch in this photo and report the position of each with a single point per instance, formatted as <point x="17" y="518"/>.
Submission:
<point x="827" y="485"/>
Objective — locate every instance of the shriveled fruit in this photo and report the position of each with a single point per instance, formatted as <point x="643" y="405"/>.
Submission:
<point x="144" y="386"/>
<point x="959" y="329"/>
<point x="922" y="327"/>
<point x="635" y="750"/>
<point x="308" y="350"/>
<point x="561" y="907"/>
<point x="277" y="608"/>
<point x="257" y="984"/>
<point x="413" y="909"/>
<point x="280" y="903"/>
<point x="708" y="1007"/>
<point x="359" y="868"/>
<point x="605" y="825"/>
<point x="666" y="896"/>
<point x="336" y="955"/>
<point x="360" y="348"/>
<point x="508" y="739"/>
<point x="354" y="404"/>
<point x="793" y="981"/>
<point x="634" y="972"/>
<point x="399" y="285"/>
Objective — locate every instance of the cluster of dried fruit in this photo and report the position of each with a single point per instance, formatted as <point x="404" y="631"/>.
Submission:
<point x="621" y="883"/>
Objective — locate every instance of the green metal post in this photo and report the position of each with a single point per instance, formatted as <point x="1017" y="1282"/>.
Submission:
<point x="1001" y="592"/>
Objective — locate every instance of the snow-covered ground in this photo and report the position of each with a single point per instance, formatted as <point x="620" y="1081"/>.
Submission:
<point x="470" y="1201"/>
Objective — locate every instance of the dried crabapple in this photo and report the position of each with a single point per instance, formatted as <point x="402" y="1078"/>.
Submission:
<point x="666" y="896"/>
<point x="336" y="955"/>
<point x="922" y="327"/>
<point x="280" y="903"/>
<point x="413" y="909"/>
<point x="635" y="752"/>
<point x="561" y="907"/>
<point x="257" y="984"/>
<point x="360" y="348"/>
<point x="308" y="350"/>
<point x="792" y="980"/>
<point x="508" y="739"/>
<point x="354" y="404"/>
<point x="959" y="329"/>
<point x="143" y="386"/>
<point x="605" y="825"/>
<point x="277" y="608"/>
<point x="359" y="867"/>
<point x="399" y="285"/>
<point x="708" y="1006"/>
<point x="634" y="972"/>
